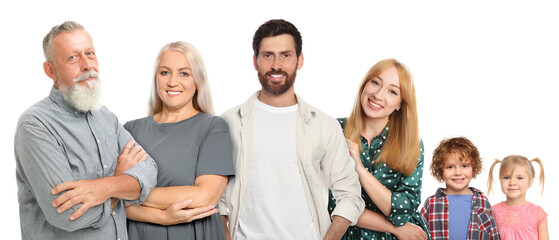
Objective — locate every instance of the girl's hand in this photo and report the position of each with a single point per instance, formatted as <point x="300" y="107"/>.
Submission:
<point x="354" y="153"/>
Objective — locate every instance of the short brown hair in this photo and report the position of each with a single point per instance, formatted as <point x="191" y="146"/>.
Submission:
<point x="457" y="145"/>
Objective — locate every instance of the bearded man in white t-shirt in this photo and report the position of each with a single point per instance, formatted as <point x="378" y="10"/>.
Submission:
<point x="287" y="154"/>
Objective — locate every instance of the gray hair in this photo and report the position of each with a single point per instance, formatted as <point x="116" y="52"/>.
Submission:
<point x="48" y="48"/>
<point x="202" y="99"/>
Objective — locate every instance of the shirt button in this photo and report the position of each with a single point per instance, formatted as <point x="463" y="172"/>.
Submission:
<point x="118" y="239"/>
<point x="98" y="141"/>
<point x="105" y="166"/>
<point x="446" y="223"/>
<point x="446" y="206"/>
<point x="114" y="213"/>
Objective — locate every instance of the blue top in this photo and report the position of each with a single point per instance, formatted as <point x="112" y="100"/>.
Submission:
<point x="459" y="208"/>
<point x="55" y="143"/>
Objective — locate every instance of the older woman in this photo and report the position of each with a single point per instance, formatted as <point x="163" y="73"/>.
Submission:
<point x="192" y="149"/>
<point x="383" y="139"/>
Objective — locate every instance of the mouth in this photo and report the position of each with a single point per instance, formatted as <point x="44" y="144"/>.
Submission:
<point x="458" y="180"/>
<point x="375" y="106"/>
<point x="276" y="77"/>
<point x="173" y="93"/>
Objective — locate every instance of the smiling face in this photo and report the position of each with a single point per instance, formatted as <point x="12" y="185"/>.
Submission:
<point x="515" y="184"/>
<point x="175" y="84"/>
<point x="381" y="95"/>
<point x="457" y="174"/>
<point x="277" y="64"/>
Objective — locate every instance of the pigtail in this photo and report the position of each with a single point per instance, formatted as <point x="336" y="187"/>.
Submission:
<point x="490" y="181"/>
<point x="542" y="175"/>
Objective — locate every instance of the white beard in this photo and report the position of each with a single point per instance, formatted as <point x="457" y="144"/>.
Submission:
<point x="80" y="97"/>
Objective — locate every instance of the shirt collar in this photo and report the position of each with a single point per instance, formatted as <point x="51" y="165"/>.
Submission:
<point x="58" y="99"/>
<point x="441" y="192"/>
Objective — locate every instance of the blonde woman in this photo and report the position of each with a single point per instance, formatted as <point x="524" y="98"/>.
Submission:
<point x="192" y="148"/>
<point x="383" y="139"/>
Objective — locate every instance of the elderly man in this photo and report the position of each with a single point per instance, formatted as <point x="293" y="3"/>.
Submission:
<point x="75" y="162"/>
<point x="287" y="154"/>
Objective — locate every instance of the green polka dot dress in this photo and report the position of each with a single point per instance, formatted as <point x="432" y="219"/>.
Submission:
<point x="406" y="190"/>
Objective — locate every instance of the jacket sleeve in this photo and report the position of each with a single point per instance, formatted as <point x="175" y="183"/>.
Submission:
<point x="343" y="180"/>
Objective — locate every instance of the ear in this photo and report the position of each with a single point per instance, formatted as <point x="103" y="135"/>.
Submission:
<point x="50" y="70"/>
<point x="300" y="61"/>
<point x="255" y="62"/>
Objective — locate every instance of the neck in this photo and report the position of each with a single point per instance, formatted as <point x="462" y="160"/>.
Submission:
<point x="373" y="127"/>
<point x="174" y="115"/>
<point x="515" y="201"/>
<point x="285" y="99"/>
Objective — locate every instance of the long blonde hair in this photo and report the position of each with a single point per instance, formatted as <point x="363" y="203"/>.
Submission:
<point x="402" y="148"/>
<point x="509" y="163"/>
<point x="202" y="99"/>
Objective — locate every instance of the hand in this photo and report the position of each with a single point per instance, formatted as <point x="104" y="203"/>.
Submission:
<point x="89" y="193"/>
<point x="129" y="157"/>
<point x="354" y="153"/>
<point x="410" y="231"/>
<point x="178" y="212"/>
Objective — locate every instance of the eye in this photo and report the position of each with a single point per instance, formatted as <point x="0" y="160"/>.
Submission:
<point x="464" y="165"/>
<point x="520" y="178"/>
<point x="506" y="178"/>
<point x="393" y="92"/>
<point x="449" y="167"/>
<point x="266" y="55"/>
<point x="374" y="82"/>
<point x="286" y="55"/>
<point x="185" y="74"/>
<point x="73" y="57"/>
<point x="165" y="73"/>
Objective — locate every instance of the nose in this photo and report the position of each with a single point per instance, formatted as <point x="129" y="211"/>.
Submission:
<point x="457" y="171"/>
<point x="276" y="64"/>
<point x="173" y="80"/>
<point x="86" y="63"/>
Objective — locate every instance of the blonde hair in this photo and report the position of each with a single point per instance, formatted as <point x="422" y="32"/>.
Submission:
<point x="402" y="148"/>
<point x="202" y="99"/>
<point x="510" y="162"/>
<point x="460" y="146"/>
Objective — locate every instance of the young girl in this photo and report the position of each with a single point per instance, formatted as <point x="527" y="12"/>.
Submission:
<point x="517" y="218"/>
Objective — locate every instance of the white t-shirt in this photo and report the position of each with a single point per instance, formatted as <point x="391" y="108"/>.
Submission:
<point x="275" y="206"/>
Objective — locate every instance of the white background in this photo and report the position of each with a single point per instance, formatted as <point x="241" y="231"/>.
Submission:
<point x="486" y="70"/>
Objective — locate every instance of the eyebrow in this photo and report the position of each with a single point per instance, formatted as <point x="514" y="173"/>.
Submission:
<point x="187" y="68"/>
<point x="390" y="84"/>
<point x="281" y="52"/>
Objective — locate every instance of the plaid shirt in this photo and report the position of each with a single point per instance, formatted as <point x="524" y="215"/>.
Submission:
<point x="482" y="224"/>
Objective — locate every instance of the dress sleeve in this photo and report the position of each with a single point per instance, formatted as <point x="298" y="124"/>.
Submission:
<point x="44" y="165"/>
<point x="216" y="151"/>
<point x="541" y="215"/>
<point x="407" y="197"/>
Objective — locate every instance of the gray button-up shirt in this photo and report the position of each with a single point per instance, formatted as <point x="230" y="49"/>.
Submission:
<point x="55" y="143"/>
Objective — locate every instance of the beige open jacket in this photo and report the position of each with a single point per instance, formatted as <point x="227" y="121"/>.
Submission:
<point x="323" y="159"/>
